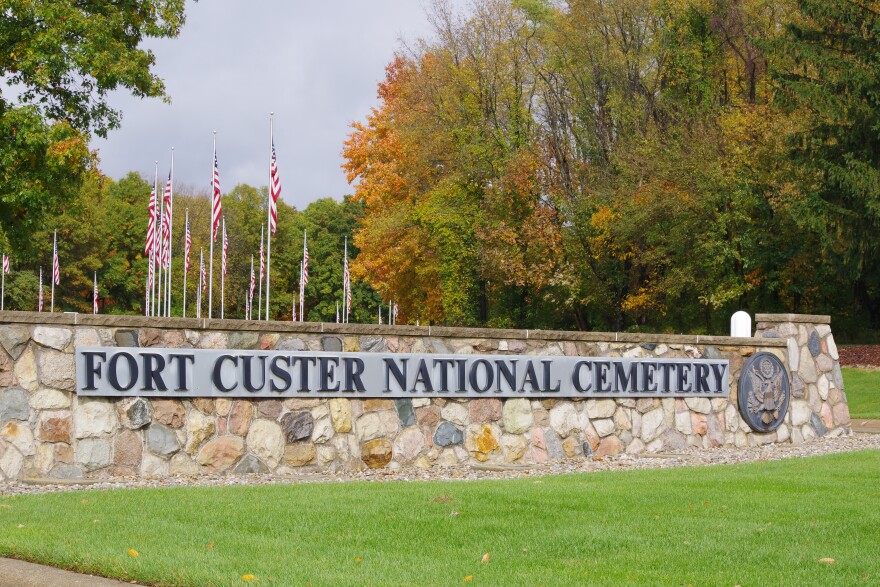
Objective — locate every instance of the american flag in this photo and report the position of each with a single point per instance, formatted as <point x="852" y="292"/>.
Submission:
<point x="40" y="296"/>
<point x="274" y="191"/>
<point x="262" y="262"/>
<point x="216" y="207"/>
<point x="151" y="225"/>
<point x="5" y="264"/>
<point x="225" y="249"/>
<point x="95" y="296"/>
<point x="151" y="275"/>
<point x="187" y="248"/>
<point x="394" y="312"/>
<point x="305" y="269"/>
<point x="166" y="224"/>
<point x="56" y="266"/>
<point x="253" y="284"/>
<point x="202" y="276"/>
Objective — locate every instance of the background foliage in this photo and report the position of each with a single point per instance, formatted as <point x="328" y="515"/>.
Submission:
<point x="580" y="164"/>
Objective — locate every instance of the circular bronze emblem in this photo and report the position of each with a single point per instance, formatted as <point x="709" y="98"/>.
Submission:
<point x="763" y="392"/>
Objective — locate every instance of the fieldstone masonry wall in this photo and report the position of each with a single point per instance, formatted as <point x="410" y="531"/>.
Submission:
<point x="46" y="430"/>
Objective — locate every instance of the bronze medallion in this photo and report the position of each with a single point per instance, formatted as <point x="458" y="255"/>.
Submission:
<point x="764" y="392"/>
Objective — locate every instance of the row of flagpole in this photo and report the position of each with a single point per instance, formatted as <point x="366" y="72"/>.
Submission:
<point x="158" y="285"/>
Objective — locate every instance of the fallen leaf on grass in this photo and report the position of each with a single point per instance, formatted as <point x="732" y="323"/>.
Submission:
<point x="21" y="525"/>
<point x="357" y="559"/>
<point x="248" y="578"/>
<point x="469" y="578"/>
<point x="442" y="498"/>
<point x="84" y="500"/>
<point x="485" y="558"/>
<point x="827" y="561"/>
<point x="134" y="553"/>
<point x="210" y="545"/>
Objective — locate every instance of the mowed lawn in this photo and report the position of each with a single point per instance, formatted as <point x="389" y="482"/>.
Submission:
<point x="755" y="524"/>
<point x="862" y="389"/>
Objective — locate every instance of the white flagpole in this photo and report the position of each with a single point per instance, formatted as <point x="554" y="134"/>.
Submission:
<point x="260" y="298"/>
<point x="222" y="272"/>
<point x="156" y="237"/>
<point x="199" y="287"/>
<point x="346" y="286"/>
<point x="94" y="305"/>
<point x="54" y="255"/>
<point x="269" y="213"/>
<point x="293" y="307"/>
<point x="170" y="238"/>
<point x="3" y="289"/>
<point x="211" y="246"/>
<point x="302" y="274"/>
<point x="337" y="312"/>
<point x="40" y="299"/>
<point x="380" y="313"/>
<point x="389" y="313"/>
<point x="251" y="291"/>
<point x="186" y="231"/>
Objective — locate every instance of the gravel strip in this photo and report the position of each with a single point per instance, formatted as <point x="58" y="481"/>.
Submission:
<point x="687" y="458"/>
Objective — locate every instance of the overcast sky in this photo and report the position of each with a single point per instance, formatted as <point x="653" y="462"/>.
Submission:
<point x="315" y="64"/>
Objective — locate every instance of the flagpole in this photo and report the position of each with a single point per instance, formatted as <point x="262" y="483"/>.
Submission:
<point x="293" y="307"/>
<point x="222" y="270"/>
<point x="3" y="287"/>
<point x="251" y="289"/>
<point x="302" y="290"/>
<point x="345" y="285"/>
<point x="54" y="255"/>
<point x="302" y="297"/>
<point x="260" y="298"/>
<point x="94" y="291"/>
<point x="211" y="246"/>
<point x="269" y="212"/>
<point x="185" y="232"/>
<point x="199" y="288"/>
<point x="40" y="299"/>
<point x="153" y="253"/>
<point x="170" y="238"/>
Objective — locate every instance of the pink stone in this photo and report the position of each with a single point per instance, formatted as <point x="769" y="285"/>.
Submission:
<point x="240" y="417"/>
<point x="699" y="424"/>
<point x="169" y="412"/>
<point x="841" y="414"/>
<point x="537" y="455"/>
<point x="538" y="438"/>
<point x="827" y="416"/>
<point x="428" y="416"/>
<point x="610" y="445"/>
<point x="485" y="410"/>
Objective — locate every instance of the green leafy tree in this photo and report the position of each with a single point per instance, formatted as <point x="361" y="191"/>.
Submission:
<point x="828" y="70"/>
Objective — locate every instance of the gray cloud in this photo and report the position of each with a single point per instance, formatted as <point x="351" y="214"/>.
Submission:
<point x="315" y="64"/>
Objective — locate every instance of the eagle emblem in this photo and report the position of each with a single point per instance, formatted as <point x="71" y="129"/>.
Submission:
<point x="763" y="392"/>
<point x="767" y="394"/>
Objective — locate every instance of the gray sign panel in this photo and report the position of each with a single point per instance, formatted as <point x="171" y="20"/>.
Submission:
<point x="159" y="372"/>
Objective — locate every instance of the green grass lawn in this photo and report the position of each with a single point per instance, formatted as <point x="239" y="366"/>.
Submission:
<point x="862" y="392"/>
<point x="755" y="524"/>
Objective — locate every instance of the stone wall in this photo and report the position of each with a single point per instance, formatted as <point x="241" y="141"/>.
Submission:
<point x="46" y="430"/>
<point x="818" y="403"/>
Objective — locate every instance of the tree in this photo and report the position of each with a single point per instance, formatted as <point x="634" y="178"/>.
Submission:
<point x="828" y="70"/>
<point x="60" y="60"/>
<point x="67" y="56"/>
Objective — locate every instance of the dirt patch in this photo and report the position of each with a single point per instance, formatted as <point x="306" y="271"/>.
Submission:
<point x="859" y="356"/>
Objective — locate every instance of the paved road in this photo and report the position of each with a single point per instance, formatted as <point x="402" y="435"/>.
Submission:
<point x="869" y="426"/>
<point x="16" y="573"/>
